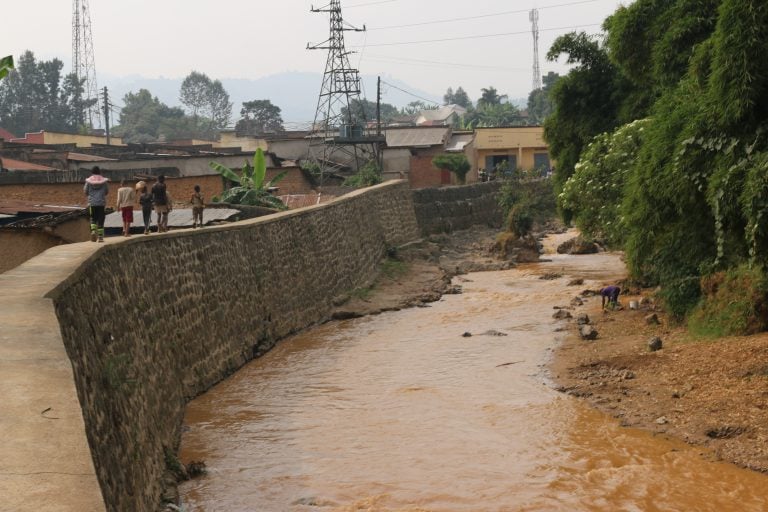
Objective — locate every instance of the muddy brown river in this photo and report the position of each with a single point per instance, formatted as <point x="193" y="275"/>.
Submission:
<point x="399" y="412"/>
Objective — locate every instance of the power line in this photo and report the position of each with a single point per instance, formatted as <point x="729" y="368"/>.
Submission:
<point x="480" y="16"/>
<point x="483" y="36"/>
<point x="423" y="62"/>
<point x="410" y="93"/>
<point x="369" y="3"/>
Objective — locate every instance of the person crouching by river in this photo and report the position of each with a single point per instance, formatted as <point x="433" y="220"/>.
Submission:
<point x="162" y="204"/>
<point x="145" y="200"/>
<point x="126" y="197"/>
<point x="96" y="190"/>
<point x="611" y="295"/>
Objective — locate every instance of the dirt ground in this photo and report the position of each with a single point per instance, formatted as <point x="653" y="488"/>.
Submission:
<point x="712" y="393"/>
<point x="706" y="392"/>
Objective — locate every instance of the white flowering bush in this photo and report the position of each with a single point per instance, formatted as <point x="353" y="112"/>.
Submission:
<point x="594" y="193"/>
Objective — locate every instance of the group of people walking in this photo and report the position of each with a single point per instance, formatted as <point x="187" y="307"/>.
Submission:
<point x="158" y="197"/>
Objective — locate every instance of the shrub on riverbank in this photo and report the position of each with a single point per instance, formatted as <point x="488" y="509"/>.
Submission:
<point x="734" y="302"/>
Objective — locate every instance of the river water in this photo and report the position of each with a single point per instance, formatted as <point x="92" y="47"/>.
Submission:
<point x="400" y="412"/>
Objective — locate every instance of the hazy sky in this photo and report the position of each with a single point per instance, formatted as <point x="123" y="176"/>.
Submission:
<point x="255" y="38"/>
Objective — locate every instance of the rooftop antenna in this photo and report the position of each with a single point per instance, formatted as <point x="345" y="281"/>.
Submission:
<point x="533" y="16"/>
<point x="338" y="135"/>
<point x="83" y="62"/>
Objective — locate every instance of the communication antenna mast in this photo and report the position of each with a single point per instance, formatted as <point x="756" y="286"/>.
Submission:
<point x="534" y="17"/>
<point x="82" y="60"/>
<point x="339" y="135"/>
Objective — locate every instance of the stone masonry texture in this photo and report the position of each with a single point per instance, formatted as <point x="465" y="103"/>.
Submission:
<point x="447" y="209"/>
<point x="150" y="323"/>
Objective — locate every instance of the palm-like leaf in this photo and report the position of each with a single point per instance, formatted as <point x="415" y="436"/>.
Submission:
<point x="226" y="172"/>
<point x="6" y="65"/>
<point x="259" y="169"/>
<point x="274" y="180"/>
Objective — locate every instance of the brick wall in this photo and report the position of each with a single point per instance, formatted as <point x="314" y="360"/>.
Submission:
<point x="148" y="323"/>
<point x="423" y="174"/>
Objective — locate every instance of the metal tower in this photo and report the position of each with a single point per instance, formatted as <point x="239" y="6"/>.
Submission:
<point x="82" y="59"/>
<point x="338" y="135"/>
<point x="534" y="17"/>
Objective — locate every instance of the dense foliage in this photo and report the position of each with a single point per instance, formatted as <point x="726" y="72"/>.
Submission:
<point x="368" y="175"/>
<point x="456" y="163"/>
<point x="35" y="96"/>
<point x="694" y="198"/>
<point x="258" y="117"/>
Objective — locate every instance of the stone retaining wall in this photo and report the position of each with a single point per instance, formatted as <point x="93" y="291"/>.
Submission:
<point x="151" y="322"/>
<point x="442" y="210"/>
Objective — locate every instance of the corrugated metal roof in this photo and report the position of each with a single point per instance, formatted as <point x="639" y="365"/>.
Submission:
<point x="20" y="165"/>
<point x="459" y="141"/>
<point x="5" y="134"/>
<point x="416" y="137"/>
<point x="82" y="157"/>
<point x="15" y="206"/>
<point x="442" y="113"/>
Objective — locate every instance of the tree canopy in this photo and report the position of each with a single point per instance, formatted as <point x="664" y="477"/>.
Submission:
<point x="34" y="96"/>
<point x="207" y="103"/>
<point x="258" y="117"/>
<point x="687" y="184"/>
<point x="458" y="97"/>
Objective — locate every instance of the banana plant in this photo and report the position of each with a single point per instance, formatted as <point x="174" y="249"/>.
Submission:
<point x="252" y="188"/>
<point x="6" y="65"/>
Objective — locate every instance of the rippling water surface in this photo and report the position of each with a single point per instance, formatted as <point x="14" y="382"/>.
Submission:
<point x="399" y="412"/>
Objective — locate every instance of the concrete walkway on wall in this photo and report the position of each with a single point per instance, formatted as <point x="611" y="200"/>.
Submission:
<point x="45" y="460"/>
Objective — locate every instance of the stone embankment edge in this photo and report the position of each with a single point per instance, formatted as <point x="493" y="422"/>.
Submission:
<point x="151" y="322"/>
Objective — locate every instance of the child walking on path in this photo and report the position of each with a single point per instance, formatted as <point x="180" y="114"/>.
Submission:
<point x="145" y="200"/>
<point x="126" y="197"/>
<point x="96" y="190"/>
<point x="198" y="204"/>
<point x="162" y="203"/>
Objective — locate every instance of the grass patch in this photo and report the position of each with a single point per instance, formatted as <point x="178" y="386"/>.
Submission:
<point x="392" y="268"/>
<point x="734" y="303"/>
<point x="361" y="293"/>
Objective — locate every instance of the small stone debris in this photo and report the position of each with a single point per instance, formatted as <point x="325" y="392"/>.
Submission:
<point x="662" y="420"/>
<point x="575" y="282"/>
<point x="576" y="301"/>
<point x="196" y="469"/>
<point x="655" y="344"/>
<point x="588" y="293"/>
<point x="493" y="332"/>
<point x="587" y="332"/>
<point x="652" y="319"/>
<point x="454" y="290"/>
<point x="726" y="432"/>
<point x="582" y="319"/>
<point x="562" y="314"/>
<point x="550" y="276"/>
<point x="467" y="335"/>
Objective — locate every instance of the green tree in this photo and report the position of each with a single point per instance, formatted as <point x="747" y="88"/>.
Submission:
<point x="586" y="100"/>
<point x="417" y="106"/>
<point x="539" y="101"/>
<point x="258" y="117"/>
<point x="459" y="97"/>
<point x="208" y="104"/>
<point x="252" y="188"/>
<point x="456" y="163"/>
<point x="144" y="118"/>
<point x="364" y="110"/>
<point x="32" y="98"/>
<point x="490" y="96"/>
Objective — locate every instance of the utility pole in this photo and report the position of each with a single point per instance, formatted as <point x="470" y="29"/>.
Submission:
<point x="533" y="16"/>
<point x="83" y="65"/>
<point x="106" y="112"/>
<point x="378" y="106"/>
<point x="338" y="137"/>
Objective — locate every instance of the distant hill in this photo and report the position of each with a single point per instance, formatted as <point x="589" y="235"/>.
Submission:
<point x="294" y="92"/>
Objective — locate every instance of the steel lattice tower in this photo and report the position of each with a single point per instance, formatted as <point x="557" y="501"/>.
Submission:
<point x="83" y="65"/>
<point x="335" y="127"/>
<point x="534" y="17"/>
